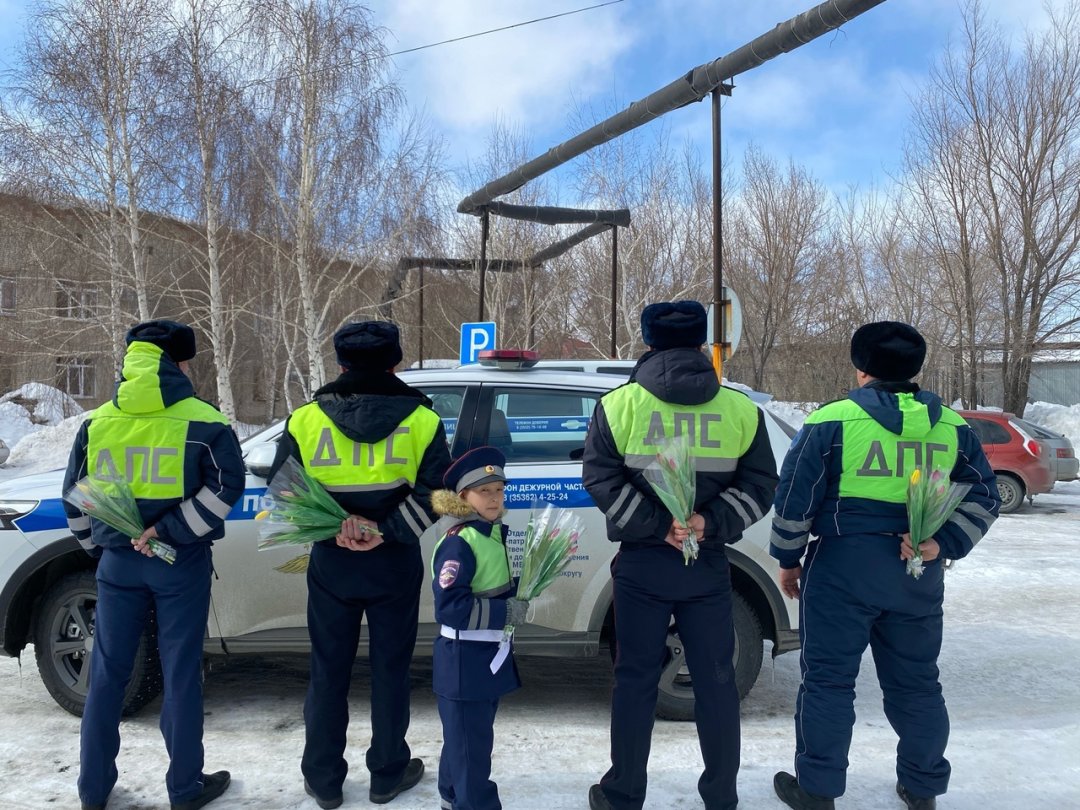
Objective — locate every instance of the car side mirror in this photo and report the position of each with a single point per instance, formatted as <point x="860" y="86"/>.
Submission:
<point x="260" y="458"/>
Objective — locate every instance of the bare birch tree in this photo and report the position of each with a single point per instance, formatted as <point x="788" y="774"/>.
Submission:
<point x="325" y="109"/>
<point x="206" y="104"/>
<point x="1017" y="126"/>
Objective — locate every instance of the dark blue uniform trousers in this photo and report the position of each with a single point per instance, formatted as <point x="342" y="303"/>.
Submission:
<point x="465" y="763"/>
<point x="652" y="585"/>
<point x="128" y="584"/>
<point x="855" y="592"/>
<point x="343" y="585"/>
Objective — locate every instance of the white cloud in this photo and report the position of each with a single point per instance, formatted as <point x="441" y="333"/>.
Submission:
<point x="525" y="75"/>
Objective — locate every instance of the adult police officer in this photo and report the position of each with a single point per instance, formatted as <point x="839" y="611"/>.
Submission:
<point x="844" y="480"/>
<point x="674" y="390"/>
<point x="380" y="450"/>
<point x="182" y="461"/>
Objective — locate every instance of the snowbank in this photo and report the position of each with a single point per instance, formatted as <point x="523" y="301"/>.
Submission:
<point x="14" y="423"/>
<point x="46" y="448"/>
<point x="30" y="406"/>
<point x="1062" y="418"/>
<point x="45" y="404"/>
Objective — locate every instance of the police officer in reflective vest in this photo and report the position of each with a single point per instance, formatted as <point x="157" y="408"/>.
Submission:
<point x="474" y="600"/>
<point x="378" y="447"/>
<point x="182" y="462"/>
<point x="845" y="481"/>
<point x="674" y="390"/>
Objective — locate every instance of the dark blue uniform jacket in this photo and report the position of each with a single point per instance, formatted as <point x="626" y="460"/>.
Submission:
<point x="462" y="668"/>
<point x="367" y="406"/>
<point x="808" y="500"/>
<point x="684" y="377"/>
<point x="213" y="477"/>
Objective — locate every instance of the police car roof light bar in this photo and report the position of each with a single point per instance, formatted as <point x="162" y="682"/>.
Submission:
<point x="508" y="358"/>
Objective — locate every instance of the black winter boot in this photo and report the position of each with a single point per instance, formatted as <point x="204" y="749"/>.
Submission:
<point x="791" y="793"/>
<point x="325" y="804"/>
<point x="914" y="802"/>
<point x="214" y="784"/>
<point x="597" y="799"/>
<point x="413" y="771"/>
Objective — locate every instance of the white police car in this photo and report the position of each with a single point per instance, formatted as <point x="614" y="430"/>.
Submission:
<point x="537" y="417"/>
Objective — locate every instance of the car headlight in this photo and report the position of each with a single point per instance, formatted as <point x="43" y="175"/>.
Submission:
<point x="13" y="510"/>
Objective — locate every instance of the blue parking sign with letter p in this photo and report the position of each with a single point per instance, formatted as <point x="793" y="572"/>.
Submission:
<point x="475" y="338"/>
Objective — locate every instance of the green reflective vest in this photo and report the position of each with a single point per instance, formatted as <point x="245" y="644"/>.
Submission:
<point x="144" y="443"/>
<point x="343" y="465"/>
<point x="492" y="566"/>
<point x="877" y="462"/>
<point x="721" y="430"/>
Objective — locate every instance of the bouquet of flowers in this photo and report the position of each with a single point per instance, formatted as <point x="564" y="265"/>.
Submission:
<point x="931" y="499"/>
<point x="551" y="541"/>
<point x="113" y="503"/>
<point x="674" y="480"/>
<point x="303" y="511"/>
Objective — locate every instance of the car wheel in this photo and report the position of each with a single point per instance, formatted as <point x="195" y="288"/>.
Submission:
<point x="64" y="642"/>
<point x="1011" y="492"/>
<point x="676" y="698"/>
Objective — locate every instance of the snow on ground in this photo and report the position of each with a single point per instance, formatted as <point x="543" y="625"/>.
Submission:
<point x="1008" y="667"/>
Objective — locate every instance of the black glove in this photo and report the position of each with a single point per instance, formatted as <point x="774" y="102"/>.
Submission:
<point x="516" y="610"/>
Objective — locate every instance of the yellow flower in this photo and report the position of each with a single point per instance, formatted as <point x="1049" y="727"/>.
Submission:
<point x="263" y="514"/>
<point x="915" y="476"/>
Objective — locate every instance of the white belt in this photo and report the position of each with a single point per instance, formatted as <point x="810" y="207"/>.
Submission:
<point x="499" y="636"/>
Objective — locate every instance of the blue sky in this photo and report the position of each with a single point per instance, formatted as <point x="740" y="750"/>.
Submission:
<point x="839" y="105"/>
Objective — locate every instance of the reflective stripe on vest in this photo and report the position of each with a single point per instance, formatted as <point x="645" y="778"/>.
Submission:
<point x="492" y="575"/>
<point x="877" y="462"/>
<point x="720" y="430"/>
<point x="343" y="465"/>
<point x="145" y="449"/>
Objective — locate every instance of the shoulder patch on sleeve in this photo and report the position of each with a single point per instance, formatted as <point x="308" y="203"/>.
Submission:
<point x="448" y="573"/>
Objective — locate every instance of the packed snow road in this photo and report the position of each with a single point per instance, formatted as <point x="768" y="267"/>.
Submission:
<point x="1009" y="669"/>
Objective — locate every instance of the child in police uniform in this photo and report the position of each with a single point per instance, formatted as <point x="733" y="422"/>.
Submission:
<point x="474" y="601"/>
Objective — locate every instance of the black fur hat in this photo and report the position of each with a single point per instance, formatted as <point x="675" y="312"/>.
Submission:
<point x="374" y="345"/>
<point x="888" y="350"/>
<point x="674" y="324"/>
<point x="175" y="339"/>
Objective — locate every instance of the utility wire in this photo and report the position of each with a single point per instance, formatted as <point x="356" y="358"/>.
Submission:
<point x="504" y="28"/>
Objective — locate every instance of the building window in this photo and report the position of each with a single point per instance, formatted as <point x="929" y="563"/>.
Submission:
<point x="78" y="301"/>
<point x="75" y="375"/>
<point x="7" y="296"/>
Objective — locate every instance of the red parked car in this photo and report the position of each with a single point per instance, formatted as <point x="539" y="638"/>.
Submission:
<point x="1022" y="463"/>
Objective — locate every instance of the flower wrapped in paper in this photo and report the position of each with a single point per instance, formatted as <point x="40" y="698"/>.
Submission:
<point x="673" y="477"/>
<point x="303" y="512"/>
<point x="113" y="503"/>
<point x="931" y="499"/>
<point x="551" y="541"/>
